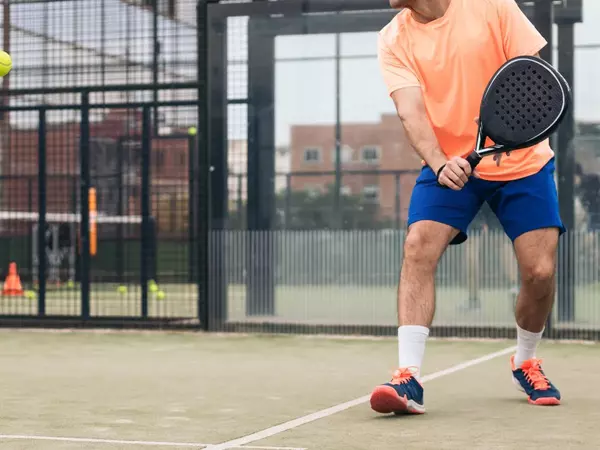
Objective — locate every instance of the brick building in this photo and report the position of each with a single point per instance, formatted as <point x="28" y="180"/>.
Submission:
<point x="115" y="165"/>
<point x="381" y="146"/>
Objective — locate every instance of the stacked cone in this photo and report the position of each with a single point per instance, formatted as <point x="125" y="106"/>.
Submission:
<point x="12" y="284"/>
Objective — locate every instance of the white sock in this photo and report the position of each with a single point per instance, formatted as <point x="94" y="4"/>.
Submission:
<point x="527" y="343"/>
<point x="411" y="347"/>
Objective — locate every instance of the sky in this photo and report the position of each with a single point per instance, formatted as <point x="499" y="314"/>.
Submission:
<point x="304" y="90"/>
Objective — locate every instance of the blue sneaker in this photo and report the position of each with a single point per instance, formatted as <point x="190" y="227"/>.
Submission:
<point x="530" y="378"/>
<point x="402" y="395"/>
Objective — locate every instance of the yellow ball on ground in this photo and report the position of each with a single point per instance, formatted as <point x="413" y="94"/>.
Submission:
<point x="122" y="289"/>
<point x="70" y="284"/>
<point x="29" y="294"/>
<point x="152" y="286"/>
<point x="5" y="63"/>
<point x="160" y="295"/>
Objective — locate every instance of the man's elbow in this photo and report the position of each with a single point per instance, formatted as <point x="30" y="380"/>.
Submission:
<point x="409" y="104"/>
<point x="409" y="113"/>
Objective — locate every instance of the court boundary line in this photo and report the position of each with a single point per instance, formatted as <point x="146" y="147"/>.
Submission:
<point x="295" y="423"/>
<point x="24" y="437"/>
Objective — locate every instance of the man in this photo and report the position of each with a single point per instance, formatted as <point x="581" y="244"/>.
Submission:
<point x="437" y="57"/>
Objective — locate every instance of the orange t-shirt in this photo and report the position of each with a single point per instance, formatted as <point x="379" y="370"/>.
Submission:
<point x="452" y="59"/>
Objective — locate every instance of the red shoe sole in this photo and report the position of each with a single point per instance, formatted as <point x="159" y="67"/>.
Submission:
<point x="545" y="401"/>
<point x="385" y="400"/>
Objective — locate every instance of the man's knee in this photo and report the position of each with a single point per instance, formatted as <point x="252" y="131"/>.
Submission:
<point x="425" y="245"/>
<point x="541" y="273"/>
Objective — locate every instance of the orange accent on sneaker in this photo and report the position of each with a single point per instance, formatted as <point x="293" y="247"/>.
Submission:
<point x="532" y="369"/>
<point x="545" y="401"/>
<point x="402" y="376"/>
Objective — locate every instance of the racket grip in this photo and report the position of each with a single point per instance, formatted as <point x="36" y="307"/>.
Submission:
<point x="474" y="159"/>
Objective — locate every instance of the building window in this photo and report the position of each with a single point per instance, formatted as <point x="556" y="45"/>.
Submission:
<point x="371" y="194"/>
<point x="312" y="155"/>
<point x="370" y="154"/>
<point x="346" y="152"/>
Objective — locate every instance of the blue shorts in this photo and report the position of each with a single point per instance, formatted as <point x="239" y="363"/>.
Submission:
<point x="522" y="205"/>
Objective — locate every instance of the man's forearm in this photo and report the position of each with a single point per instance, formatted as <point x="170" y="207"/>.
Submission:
<point x="421" y="136"/>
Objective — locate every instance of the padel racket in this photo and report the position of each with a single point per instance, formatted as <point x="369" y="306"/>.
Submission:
<point x="523" y="104"/>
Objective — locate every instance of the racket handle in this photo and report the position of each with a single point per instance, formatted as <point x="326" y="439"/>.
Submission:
<point x="474" y="159"/>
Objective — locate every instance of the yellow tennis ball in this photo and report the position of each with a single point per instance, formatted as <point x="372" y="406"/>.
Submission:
<point x="70" y="284"/>
<point x="153" y="288"/>
<point x="5" y="63"/>
<point x="122" y="289"/>
<point x="160" y="295"/>
<point x="192" y="131"/>
<point x="29" y="294"/>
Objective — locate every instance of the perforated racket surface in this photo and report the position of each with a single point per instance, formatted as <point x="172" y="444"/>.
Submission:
<point x="524" y="103"/>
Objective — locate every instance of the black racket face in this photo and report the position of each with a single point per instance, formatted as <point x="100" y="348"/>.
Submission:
<point x="524" y="103"/>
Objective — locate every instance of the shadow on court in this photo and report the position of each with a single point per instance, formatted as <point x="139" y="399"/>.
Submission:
<point x="208" y="389"/>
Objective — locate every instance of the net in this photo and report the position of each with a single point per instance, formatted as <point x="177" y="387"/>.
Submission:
<point x="20" y="236"/>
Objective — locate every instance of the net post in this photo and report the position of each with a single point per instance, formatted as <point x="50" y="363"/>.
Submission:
<point x="41" y="229"/>
<point x="146" y="249"/>
<point x="84" y="187"/>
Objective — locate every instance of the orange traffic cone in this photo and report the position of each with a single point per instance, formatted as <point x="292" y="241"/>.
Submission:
<point x="12" y="284"/>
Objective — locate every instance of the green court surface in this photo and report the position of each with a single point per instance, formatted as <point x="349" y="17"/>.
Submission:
<point x="347" y="305"/>
<point x="121" y="390"/>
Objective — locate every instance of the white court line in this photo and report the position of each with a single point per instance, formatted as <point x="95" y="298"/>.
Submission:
<point x="272" y="448"/>
<point x="117" y="441"/>
<point x="268" y="432"/>
<point x="100" y="441"/>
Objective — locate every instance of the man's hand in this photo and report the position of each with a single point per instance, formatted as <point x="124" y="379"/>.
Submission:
<point x="455" y="173"/>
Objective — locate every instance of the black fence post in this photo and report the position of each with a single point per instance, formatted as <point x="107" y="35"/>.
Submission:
<point x="120" y="247"/>
<point x="288" y="201"/>
<point x="41" y="230"/>
<point x="566" y="178"/>
<point x="260" y="281"/>
<point x="146" y="244"/>
<point x="543" y="20"/>
<point x="192" y="171"/>
<point x="155" y="63"/>
<point x="240" y="203"/>
<point x="202" y="166"/>
<point x="84" y="189"/>
<point x="216" y="144"/>
<point x="337" y="221"/>
<point x="30" y="248"/>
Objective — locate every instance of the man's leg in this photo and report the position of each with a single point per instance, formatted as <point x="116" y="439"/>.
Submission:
<point x="536" y="255"/>
<point x="425" y="243"/>
<point x="528" y="211"/>
<point x="435" y="216"/>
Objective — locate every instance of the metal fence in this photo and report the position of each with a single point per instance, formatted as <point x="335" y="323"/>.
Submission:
<point x="223" y="165"/>
<point x="345" y="282"/>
